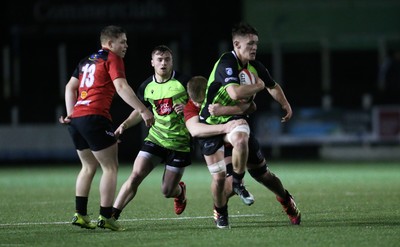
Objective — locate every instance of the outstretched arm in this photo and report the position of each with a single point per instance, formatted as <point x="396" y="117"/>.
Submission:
<point x="129" y="96"/>
<point x="278" y="95"/>
<point x="133" y="119"/>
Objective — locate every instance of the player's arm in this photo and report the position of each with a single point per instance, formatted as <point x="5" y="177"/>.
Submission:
<point x="198" y="129"/>
<point x="133" y="119"/>
<point x="240" y="108"/>
<point x="128" y="95"/>
<point x="278" y="95"/>
<point x="239" y="92"/>
<point x="71" y="96"/>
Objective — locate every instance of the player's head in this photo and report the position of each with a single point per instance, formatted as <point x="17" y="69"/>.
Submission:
<point x="161" y="60"/>
<point x="114" y="39"/>
<point x="196" y="88"/>
<point x="245" y="41"/>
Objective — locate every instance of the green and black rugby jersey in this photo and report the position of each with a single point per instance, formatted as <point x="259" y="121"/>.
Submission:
<point x="225" y="73"/>
<point x="169" y="130"/>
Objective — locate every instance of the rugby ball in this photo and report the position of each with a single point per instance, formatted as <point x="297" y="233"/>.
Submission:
<point x="246" y="77"/>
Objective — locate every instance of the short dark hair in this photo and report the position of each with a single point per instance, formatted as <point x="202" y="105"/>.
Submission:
<point x="161" y="49"/>
<point x="242" y="29"/>
<point x="111" y="32"/>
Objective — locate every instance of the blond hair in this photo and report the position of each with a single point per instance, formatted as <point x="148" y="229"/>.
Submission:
<point x="197" y="88"/>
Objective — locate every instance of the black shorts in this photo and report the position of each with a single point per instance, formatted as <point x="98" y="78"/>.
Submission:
<point x="168" y="156"/>
<point x="93" y="131"/>
<point x="210" y="145"/>
<point x="255" y="154"/>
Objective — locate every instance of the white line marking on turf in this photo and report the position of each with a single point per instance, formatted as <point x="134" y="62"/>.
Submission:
<point x="129" y="220"/>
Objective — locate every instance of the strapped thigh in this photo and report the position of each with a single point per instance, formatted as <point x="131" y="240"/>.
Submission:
<point x="217" y="167"/>
<point x="241" y="128"/>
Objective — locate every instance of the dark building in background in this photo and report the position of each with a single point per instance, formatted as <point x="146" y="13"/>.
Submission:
<point x="44" y="41"/>
<point x="327" y="55"/>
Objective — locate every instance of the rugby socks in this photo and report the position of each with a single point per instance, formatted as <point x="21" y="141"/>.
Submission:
<point x="105" y="211"/>
<point x="81" y="205"/>
<point x="116" y="213"/>
<point x="222" y="210"/>
<point x="237" y="178"/>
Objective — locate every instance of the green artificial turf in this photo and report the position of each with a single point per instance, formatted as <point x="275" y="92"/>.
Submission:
<point x="342" y="204"/>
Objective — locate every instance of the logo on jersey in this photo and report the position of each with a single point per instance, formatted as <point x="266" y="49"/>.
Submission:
<point x="229" y="71"/>
<point x="164" y="106"/>
<point x="94" y="57"/>
<point x="83" y="94"/>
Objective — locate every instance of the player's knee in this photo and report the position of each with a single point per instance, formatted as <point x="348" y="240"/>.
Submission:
<point x="242" y="144"/>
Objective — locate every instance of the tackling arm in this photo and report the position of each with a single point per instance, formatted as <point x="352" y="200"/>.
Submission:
<point x="198" y="129"/>
<point x="238" y="109"/>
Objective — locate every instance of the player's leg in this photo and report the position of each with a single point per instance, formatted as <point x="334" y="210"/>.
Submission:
<point x="258" y="169"/>
<point x="108" y="183"/>
<point x="217" y="168"/>
<point x="148" y="157"/>
<point x="78" y="129"/>
<point x="86" y="174"/>
<point x="172" y="186"/>
<point x="212" y="149"/>
<point x="82" y="189"/>
<point x="264" y="176"/>
<point x="239" y="138"/>
<point x="142" y="166"/>
<point x="239" y="141"/>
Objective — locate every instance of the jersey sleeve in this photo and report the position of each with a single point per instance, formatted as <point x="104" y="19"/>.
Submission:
<point x="227" y="71"/>
<point x="263" y="73"/>
<point x="116" y="67"/>
<point x="190" y="110"/>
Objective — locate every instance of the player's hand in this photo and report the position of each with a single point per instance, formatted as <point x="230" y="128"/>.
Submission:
<point x="289" y="113"/>
<point x="178" y="108"/>
<point x="65" y="120"/>
<point x="120" y="130"/>
<point x="147" y="117"/>
<point x="214" y="109"/>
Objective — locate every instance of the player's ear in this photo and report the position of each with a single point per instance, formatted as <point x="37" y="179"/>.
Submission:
<point x="236" y="44"/>
<point x="110" y="43"/>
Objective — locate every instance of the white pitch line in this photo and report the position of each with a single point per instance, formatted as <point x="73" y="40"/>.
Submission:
<point x="129" y="220"/>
